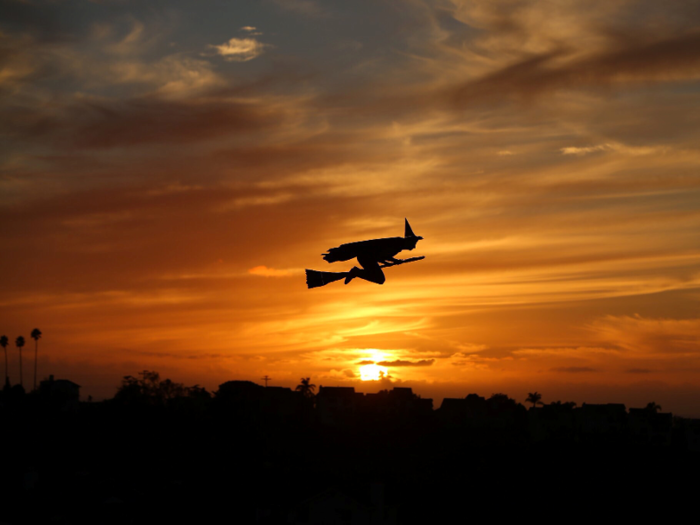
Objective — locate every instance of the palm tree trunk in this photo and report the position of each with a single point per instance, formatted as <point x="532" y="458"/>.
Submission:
<point x="7" y="376"/>
<point x="20" y="367"/>
<point x="36" y="353"/>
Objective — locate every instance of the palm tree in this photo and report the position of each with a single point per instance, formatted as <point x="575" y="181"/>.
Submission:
<point x="4" y="342"/>
<point x="653" y="407"/>
<point x="306" y="388"/>
<point x="19" y="343"/>
<point x="534" y="398"/>
<point x="36" y="335"/>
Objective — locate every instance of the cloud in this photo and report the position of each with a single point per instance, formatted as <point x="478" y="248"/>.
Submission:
<point x="641" y="336"/>
<point x="584" y="151"/>
<point x="577" y="352"/>
<point x="244" y="202"/>
<point x="621" y="148"/>
<point x="469" y="348"/>
<point x="303" y="7"/>
<point x="401" y="362"/>
<point x="264" y="271"/>
<point x="669" y="59"/>
<point x="97" y="124"/>
<point x="173" y="76"/>
<point x="574" y="369"/>
<point x="240" y="49"/>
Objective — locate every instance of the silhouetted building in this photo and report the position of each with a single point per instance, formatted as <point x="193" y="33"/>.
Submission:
<point x="469" y="411"/>
<point x="62" y="393"/>
<point x="337" y="405"/>
<point x="690" y="433"/>
<point x="607" y="419"/>
<point x="650" y="427"/>
<point x="280" y="401"/>
<point x="398" y="403"/>
<point x="249" y="399"/>
<point x="553" y="421"/>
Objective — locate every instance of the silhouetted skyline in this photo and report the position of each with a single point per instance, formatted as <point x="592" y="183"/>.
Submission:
<point x="323" y="455"/>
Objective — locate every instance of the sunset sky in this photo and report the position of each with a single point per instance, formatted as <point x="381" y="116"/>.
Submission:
<point x="168" y="169"/>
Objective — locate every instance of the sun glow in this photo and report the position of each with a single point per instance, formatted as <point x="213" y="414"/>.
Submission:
<point x="372" y="372"/>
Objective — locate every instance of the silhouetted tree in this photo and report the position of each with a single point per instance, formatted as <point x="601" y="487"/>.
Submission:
<point x="653" y="407"/>
<point x="4" y="342"/>
<point x="19" y="343"/>
<point x="197" y="392"/>
<point x="149" y="389"/>
<point x="306" y="388"/>
<point x="149" y="382"/>
<point x="168" y="389"/>
<point x="36" y="335"/>
<point x="535" y="398"/>
<point x="502" y="402"/>
<point x="499" y="398"/>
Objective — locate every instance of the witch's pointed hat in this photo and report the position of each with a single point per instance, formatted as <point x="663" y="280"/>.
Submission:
<point x="408" y="232"/>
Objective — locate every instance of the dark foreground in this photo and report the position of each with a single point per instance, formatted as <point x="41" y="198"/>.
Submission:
<point x="258" y="459"/>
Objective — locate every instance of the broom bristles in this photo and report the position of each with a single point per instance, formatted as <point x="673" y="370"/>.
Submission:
<point x="315" y="279"/>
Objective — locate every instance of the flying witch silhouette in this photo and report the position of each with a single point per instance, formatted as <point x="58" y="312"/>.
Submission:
<point x="373" y="255"/>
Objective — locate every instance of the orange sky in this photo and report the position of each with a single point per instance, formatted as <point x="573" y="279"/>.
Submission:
<point x="168" y="170"/>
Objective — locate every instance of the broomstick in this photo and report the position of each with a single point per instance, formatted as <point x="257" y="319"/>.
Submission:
<point x="315" y="279"/>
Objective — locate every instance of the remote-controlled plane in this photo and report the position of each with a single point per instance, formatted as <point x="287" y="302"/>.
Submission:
<point x="372" y="255"/>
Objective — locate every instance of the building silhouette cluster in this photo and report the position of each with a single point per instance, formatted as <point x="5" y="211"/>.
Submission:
<point x="160" y="451"/>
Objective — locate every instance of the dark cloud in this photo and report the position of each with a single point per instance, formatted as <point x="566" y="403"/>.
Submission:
<point x="400" y="362"/>
<point x="174" y="355"/>
<point x="574" y="369"/>
<point x="40" y="18"/>
<point x="673" y="58"/>
<point x="152" y="121"/>
<point x="638" y="371"/>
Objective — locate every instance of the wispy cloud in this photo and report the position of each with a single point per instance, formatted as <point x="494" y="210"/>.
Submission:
<point x="264" y="271"/>
<point x="621" y="148"/>
<point x="572" y="150"/>
<point x="654" y="337"/>
<point x="240" y="49"/>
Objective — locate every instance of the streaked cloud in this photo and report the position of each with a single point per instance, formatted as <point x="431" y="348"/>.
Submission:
<point x="575" y="369"/>
<point x="264" y="271"/>
<point x="657" y="337"/>
<point x="621" y="148"/>
<point x="572" y="150"/>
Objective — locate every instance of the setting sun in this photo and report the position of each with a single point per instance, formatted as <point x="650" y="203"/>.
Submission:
<point x="372" y="372"/>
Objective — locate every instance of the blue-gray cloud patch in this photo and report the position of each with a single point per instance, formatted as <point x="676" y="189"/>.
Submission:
<point x="401" y="362"/>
